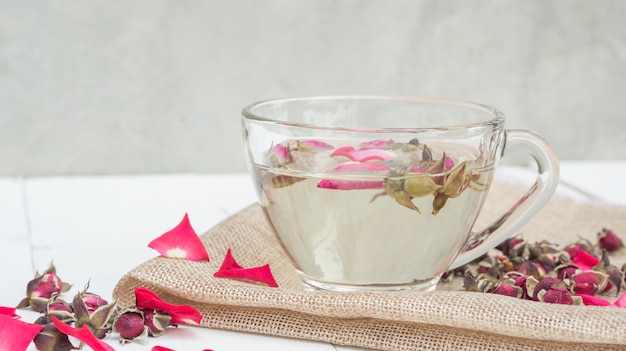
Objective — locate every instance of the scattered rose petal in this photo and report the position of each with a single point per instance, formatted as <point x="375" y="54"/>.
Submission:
<point x="584" y="260"/>
<point x="258" y="275"/>
<point x="349" y="184"/>
<point x="621" y="301"/>
<point x="181" y="314"/>
<point x="593" y="300"/>
<point x="181" y="242"/>
<point x="8" y="311"/>
<point x="83" y="334"/>
<point x="16" y="335"/>
<point x="161" y="348"/>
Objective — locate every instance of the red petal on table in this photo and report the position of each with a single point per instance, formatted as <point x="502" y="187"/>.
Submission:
<point x="585" y="261"/>
<point x="160" y="348"/>
<point x="181" y="314"/>
<point x="16" y="335"/>
<point x="257" y="275"/>
<point x="348" y="184"/>
<point x="181" y="242"/>
<point x="8" y="311"/>
<point x="83" y="334"/>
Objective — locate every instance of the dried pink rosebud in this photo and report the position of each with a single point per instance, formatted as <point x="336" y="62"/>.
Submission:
<point x="589" y="282"/>
<point x="566" y="271"/>
<point x="156" y="321"/>
<point x="544" y="284"/>
<point x="93" y="301"/>
<point x="608" y="241"/>
<point x="511" y="245"/>
<point x="59" y="305"/>
<point x="558" y="295"/>
<point x="532" y="268"/>
<point x="41" y="288"/>
<point x="51" y="339"/>
<point x="130" y="326"/>
<point x="508" y="289"/>
<point x="519" y="280"/>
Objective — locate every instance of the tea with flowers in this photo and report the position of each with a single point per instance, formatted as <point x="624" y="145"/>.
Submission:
<point x="376" y="211"/>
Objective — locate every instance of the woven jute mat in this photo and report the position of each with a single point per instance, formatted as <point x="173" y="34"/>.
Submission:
<point x="446" y="319"/>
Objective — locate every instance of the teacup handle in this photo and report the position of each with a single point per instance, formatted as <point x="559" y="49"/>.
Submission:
<point x="527" y="206"/>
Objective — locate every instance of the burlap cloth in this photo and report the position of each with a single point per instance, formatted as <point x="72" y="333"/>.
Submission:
<point x="448" y="318"/>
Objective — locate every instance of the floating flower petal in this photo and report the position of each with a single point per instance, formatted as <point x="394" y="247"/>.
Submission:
<point x="363" y="155"/>
<point x="351" y="167"/>
<point x="181" y="242"/>
<point x="16" y="335"/>
<point x="181" y="314"/>
<point x="258" y="275"/>
<point x="348" y="184"/>
<point x="83" y="334"/>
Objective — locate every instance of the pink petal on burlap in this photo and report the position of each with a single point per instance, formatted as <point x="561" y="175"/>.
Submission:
<point x="621" y="301"/>
<point x="181" y="314"/>
<point x="348" y="184"/>
<point x="181" y="242"/>
<point x="257" y="275"/>
<point x="83" y="334"/>
<point x="16" y="335"/>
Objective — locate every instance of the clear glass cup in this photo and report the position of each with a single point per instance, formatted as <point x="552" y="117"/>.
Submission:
<point x="382" y="192"/>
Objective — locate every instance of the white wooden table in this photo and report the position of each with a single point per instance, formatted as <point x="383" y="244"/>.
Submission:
<point x="97" y="228"/>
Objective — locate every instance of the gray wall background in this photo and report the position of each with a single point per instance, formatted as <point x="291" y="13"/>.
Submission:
<point x="100" y="87"/>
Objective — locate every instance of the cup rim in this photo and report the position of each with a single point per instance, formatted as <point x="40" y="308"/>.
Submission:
<point x="497" y="116"/>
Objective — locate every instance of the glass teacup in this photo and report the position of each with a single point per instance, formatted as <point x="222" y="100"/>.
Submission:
<point x="382" y="192"/>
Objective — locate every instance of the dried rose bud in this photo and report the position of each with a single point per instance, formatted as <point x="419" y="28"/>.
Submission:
<point x="519" y="280"/>
<point x="130" y="326"/>
<point x="608" y="241"/>
<point x="156" y="321"/>
<point x="507" y="288"/>
<point x="512" y="246"/>
<point x="486" y="264"/>
<point x="93" y="301"/>
<point x="531" y="268"/>
<point x="543" y="285"/>
<point x="558" y="295"/>
<point x="51" y="339"/>
<point x="41" y="289"/>
<point x="566" y="271"/>
<point x="589" y="282"/>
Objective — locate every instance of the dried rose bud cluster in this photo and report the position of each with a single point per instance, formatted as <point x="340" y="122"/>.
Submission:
<point x="542" y="272"/>
<point x="149" y="317"/>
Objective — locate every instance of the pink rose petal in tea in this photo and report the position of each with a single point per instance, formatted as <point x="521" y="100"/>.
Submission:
<point x="370" y="167"/>
<point x="257" y="275"/>
<point x="315" y="144"/>
<point x="16" y="335"/>
<point x="375" y="144"/>
<point x="348" y="184"/>
<point x="363" y="155"/>
<point x="416" y="169"/>
<point x="181" y="242"/>
<point x="181" y="314"/>
<point x="83" y="334"/>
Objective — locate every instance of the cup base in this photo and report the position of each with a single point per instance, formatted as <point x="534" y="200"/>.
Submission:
<point x="416" y="285"/>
